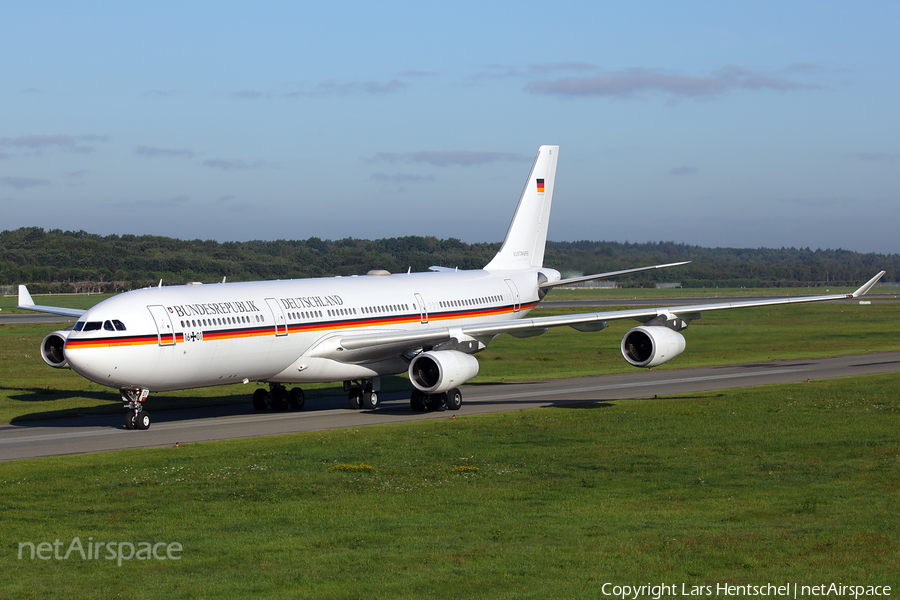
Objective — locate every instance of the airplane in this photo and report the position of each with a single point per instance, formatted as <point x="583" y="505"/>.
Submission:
<point x="353" y="329"/>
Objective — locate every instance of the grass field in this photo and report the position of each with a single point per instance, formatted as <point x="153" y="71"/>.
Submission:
<point x="790" y="483"/>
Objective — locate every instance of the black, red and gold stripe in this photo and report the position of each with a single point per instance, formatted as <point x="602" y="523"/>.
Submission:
<point x="355" y="322"/>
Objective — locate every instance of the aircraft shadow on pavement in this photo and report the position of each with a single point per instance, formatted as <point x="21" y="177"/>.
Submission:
<point x="160" y="407"/>
<point x="173" y="409"/>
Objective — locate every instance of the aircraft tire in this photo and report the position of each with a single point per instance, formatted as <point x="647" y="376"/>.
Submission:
<point x="454" y="399"/>
<point x="142" y="421"/>
<point x="370" y="400"/>
<point x="261" y="399"/>
<point x="355" y="398"/>
<point x="130" y="419"/>
<point x="296" y="398"/>
<point x="279" y="399"/>
<point x="436" y="402"/>
<point x="417" y="401"/>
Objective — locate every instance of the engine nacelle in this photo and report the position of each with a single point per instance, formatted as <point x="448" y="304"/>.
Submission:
<point x="52" y="349"/>
<point x="651" y="346"/>
<point x="438" y="371"/>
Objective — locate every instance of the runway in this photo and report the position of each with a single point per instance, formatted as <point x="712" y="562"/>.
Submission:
<point x="95" y="434"/>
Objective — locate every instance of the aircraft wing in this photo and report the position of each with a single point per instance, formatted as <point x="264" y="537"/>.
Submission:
<point x="26" y="303"/>
<point x="581" y="321"/>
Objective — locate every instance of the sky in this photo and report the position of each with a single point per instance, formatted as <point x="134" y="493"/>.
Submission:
<point x="718" y="124"/>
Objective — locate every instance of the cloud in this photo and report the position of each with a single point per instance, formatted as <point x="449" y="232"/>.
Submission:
<point x="497" y="71"/>
<point x="633" y="82"/>
<point x="418" y="74"/>
<point x="39" y="143"/>
<point x="802" y="68"/>
<point x="76" y="174"/>
<point x="683" y="171"/>
<point x="464" y="158"/>
<point x="151" y="152"/>
<point x="232" y="165"/>
<point x="877" y="157"/>
<point x="331" y="88"/>
<point x="251" y="94"/>
<point x="21" y="183"/>
<point x="402" y="178"/>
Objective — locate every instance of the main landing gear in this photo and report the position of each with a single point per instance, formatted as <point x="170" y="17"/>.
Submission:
<point x="361" y="394"/>
<point x="278" y="398"/>
<point x="450" y="400"/>
<point x="135" y="418"/>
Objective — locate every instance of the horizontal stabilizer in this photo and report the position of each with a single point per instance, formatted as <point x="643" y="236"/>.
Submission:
<point x="553" y="284"/>
<point x="27" y="303"/>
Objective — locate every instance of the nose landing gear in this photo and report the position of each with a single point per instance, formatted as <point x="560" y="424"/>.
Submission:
<point x="135" y="417"/>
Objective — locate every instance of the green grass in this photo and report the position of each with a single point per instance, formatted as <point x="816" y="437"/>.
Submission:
<point x="787" y="483"/>
<point x="29" y="389"/>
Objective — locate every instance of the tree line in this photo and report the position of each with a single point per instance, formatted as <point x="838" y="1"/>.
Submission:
<point x="73" y="261"/>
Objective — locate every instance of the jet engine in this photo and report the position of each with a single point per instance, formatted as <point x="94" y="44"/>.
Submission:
<point x="650" y="346"/>
<point x="438" y="371"/>
<point x="52" y="349"/>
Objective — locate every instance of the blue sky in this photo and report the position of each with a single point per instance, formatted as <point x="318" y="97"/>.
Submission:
<point x="710" y="123"/>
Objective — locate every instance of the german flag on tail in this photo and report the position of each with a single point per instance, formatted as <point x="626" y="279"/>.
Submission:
<point x="540" y="186"/>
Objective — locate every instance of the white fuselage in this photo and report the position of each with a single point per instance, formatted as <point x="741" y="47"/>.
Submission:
<point x="187" y="336"/>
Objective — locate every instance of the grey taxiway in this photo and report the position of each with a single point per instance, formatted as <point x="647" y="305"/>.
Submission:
<point x="29" y="439"/>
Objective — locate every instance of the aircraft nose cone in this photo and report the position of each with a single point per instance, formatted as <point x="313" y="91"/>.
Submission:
<point x="93" y="362"/>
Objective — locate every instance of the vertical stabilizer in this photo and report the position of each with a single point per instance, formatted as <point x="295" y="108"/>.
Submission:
<point x="523" y="247"/>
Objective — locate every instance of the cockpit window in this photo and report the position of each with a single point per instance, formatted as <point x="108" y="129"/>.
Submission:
<point x="78" y="326"/>
<point x="120" y="326"/>
<point x="93" y="325"/>
<point x="107" y="326"/>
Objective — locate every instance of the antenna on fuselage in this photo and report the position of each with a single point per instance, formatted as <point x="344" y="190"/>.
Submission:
<point x="160" y="283"/>
<point x="224" y="278"/>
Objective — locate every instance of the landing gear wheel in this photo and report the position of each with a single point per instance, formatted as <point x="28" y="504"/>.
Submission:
<point x="296" y="398"/>
<point x="261" y="399"/>
<point x="454" y="399"/>
<point x="142" y="421"/>
<point x="355" y="398"/>
<point x="370" y="400"/>
<point x="417" y="401"/>
<point x="436" y="402"/>
<point x="130" y="420"/>
<point x="279" y="399"/>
